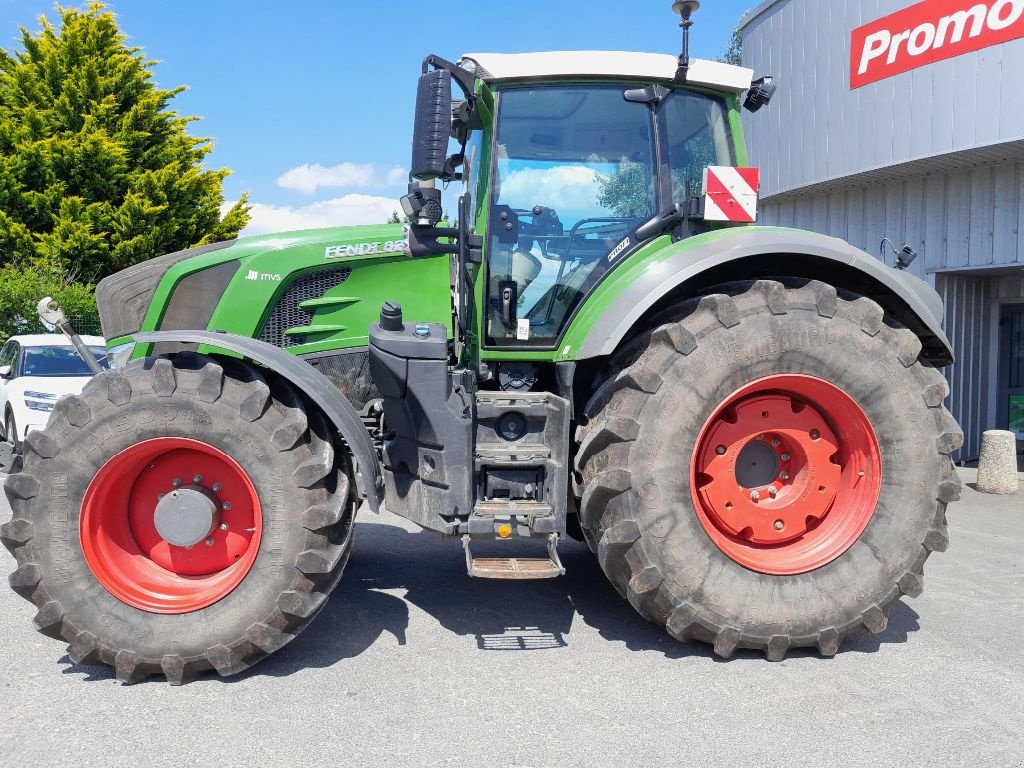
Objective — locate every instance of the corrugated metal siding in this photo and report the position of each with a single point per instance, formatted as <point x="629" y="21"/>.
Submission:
<point x="972" y="218"/>
<point x="968" y="325"/>
<point x="817" y="129"/>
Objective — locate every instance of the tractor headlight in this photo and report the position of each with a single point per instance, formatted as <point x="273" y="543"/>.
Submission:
<point x="40" y="401"/>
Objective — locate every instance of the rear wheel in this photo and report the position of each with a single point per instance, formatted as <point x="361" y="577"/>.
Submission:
<point x="179" y="517"/>
<point x="768" y="470"/>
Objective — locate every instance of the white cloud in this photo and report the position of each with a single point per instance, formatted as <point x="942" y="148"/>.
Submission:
<point x="562" y="187"/>
<point x="310" y="177"/>
<point x="398" y="176"/>
<point x="348" y="210"/>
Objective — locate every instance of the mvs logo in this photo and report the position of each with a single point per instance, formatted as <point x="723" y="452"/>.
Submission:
<point x="928" y="32"/>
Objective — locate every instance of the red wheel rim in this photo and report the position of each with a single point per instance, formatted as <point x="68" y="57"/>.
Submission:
<point x="786" y="474"/>
<point x="124" y="548"/>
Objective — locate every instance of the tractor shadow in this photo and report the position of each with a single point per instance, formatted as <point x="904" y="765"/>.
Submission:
<point x="501" y="616"/>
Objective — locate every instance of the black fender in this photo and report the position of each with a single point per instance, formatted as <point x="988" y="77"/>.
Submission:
<point x="313" y="384"/>
<point x="779" y="253"/>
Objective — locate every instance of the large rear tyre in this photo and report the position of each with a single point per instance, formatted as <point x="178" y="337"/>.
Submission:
<point x="769" y="469"/>
<point x="179" y="516"/>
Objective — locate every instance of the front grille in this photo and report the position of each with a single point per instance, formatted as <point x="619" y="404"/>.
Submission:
<point x="288" y="314"/>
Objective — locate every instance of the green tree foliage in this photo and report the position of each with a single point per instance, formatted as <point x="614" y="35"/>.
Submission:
<point x="625" y="192"/>
<point x="734" y="51"/>
<point x="97" y="172"/>
<point x="21" y="288"/>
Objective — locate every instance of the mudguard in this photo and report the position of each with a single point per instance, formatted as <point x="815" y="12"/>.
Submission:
<point x="921" y="308"/>
<point x="313" y="384"/>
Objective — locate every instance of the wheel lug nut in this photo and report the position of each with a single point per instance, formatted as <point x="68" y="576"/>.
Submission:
<point x="216" y="487"/>
<point x="223" y="526"/>
<point x="783" y="475"/>
<point x="226" y="505"/>
<point x="776" y="442"/>
<point x="779" y="525"/>
<point x="208" y="542"/>
<point x="815" y="434"/>
<point x="784" y="457"/>
<point x="754" y="495"/>
<point x="176" y="483"/>
<point x="197" y="479"/>
<point x="759" y="437"/>
<point x="772" y="490"/>
<point x="720" y="450"/>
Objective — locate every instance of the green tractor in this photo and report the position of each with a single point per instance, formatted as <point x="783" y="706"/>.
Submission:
<point x="744" y="423"/>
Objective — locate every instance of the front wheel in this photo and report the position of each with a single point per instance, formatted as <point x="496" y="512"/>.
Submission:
<point x="769" y="469"/>
<point x="179" y="516"/>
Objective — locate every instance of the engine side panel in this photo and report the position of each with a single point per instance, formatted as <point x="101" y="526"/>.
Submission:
<point x="311" y="292"/>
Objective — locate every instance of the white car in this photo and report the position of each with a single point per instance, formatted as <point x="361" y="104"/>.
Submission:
<point x="35" y="372"/>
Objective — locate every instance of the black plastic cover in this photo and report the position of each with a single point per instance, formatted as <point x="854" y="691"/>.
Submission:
<point x="432" y="126"/>
<point x="124" y="297"/>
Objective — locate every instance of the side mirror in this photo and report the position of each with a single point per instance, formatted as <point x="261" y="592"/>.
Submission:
<point x="433" y="125"/>
<point x="5" y="371"/>
<point x="50" y="313"/>
<point x="760" y="93"/>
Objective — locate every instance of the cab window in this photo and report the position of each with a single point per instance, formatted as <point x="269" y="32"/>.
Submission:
<point x="574" y="174"/>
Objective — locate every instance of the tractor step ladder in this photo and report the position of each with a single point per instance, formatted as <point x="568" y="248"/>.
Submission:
<point x="515" y="567"/>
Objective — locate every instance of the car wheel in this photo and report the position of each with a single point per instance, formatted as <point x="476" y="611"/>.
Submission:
<point x="11" y="432"/>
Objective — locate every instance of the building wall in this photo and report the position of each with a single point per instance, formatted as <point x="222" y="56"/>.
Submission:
<point x="965" y="218"/>
<point x="817" y="128"/>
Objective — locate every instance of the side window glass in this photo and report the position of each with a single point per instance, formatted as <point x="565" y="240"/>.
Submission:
<point x="699" y="136"/>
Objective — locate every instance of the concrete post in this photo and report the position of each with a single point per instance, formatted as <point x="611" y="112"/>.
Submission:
<point x="997" y="466"/>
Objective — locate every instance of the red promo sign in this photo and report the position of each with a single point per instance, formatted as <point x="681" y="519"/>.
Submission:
<point x="928" y="32"/>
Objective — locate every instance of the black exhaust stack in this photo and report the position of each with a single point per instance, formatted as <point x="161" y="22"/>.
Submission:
<point x="684" y="8"/>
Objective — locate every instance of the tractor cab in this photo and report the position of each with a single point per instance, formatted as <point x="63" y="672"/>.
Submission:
<point x="570" y="162"/>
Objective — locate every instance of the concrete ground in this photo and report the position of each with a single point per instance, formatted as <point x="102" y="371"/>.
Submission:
<point x="413" y="664"/>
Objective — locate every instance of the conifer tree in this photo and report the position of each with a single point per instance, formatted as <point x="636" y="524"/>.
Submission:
<point x="97" y="171"/>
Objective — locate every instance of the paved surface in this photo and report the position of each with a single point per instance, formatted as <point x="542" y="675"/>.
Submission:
<point x="413" y="664"/>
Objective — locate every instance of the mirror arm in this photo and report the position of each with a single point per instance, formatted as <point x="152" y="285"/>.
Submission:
<point x="466" y="80"/>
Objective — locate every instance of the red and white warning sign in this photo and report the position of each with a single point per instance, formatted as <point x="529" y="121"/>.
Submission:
<point x="730" y="194"/>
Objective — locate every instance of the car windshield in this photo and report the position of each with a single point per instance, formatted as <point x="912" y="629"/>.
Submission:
<point x="60" y="361"/>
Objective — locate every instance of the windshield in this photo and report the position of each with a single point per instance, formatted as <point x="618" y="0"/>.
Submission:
<point x="574" y="175"/>
<point x="60" y="361"/>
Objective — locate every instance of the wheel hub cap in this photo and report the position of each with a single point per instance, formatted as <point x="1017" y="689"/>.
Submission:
<point x="186" y="516"/>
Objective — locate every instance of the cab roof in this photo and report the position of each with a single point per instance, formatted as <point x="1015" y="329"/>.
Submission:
<point x="630" y="65"/>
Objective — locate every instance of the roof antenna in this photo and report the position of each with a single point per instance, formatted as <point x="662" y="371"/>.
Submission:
<point x="684" y="8"/>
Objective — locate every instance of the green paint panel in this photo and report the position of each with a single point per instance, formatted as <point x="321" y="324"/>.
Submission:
<point x="341" y="318"/>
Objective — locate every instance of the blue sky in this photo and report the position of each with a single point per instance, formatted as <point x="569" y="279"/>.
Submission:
<point x="309" y="102"/>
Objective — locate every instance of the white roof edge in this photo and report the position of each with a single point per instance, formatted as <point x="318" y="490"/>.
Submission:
<point x="499" y="67"/>
<point x="749" y="16"/>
